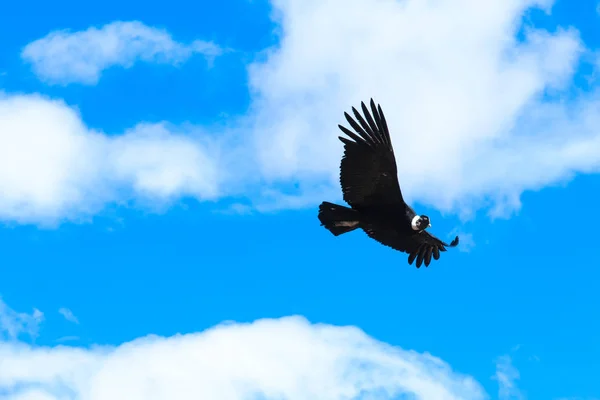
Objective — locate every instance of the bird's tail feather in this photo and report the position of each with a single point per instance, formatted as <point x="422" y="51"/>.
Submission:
<point x="338" y="219"/>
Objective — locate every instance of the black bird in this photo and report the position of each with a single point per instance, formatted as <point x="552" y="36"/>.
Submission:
<point x="369" y="180"/>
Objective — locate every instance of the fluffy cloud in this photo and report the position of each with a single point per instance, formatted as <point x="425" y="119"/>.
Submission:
<point x="64" y="57"/>
<point x="53" y="167"/>
<point x="286" y="358"/>
<point x="477" y="116"/>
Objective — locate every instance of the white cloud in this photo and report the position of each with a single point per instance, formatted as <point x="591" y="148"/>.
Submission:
<point x="471" y="109"/>
<point x="13" y="324"/>
<point x="507" y="375"/>
<point x="53" y="167"/>
<point x="286" y="358"/>
<point x="477" y="117"/>
<point x="64" y="57"/>
<point x="68" y="315"/>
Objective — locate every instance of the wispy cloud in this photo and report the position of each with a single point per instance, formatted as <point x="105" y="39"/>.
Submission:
<point x="467" y="242"/>
<point x="68" y="314"/>
<point x="507" y="375"/>
<point x="13" y="324"/>
<point x="64" y="57"/>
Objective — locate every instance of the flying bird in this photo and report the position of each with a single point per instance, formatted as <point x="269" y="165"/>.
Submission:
<point x="369" y="180"/>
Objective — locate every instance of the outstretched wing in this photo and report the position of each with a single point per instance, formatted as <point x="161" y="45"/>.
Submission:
<point x="420" y="247"/>
<point x="429" y="246"/>
<point x="368" y="172"/>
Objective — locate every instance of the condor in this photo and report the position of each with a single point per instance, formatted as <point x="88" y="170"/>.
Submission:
<point x="369" y="180"/>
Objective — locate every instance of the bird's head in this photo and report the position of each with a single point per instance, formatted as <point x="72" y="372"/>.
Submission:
<point x="423" y="222"/>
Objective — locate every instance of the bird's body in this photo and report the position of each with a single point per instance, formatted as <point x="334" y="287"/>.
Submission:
<point x="368" y="176"/>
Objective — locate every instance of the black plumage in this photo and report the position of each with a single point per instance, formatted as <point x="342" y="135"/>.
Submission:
<point x="369" y="180"/>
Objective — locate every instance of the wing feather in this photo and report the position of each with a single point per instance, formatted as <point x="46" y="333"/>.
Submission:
<point x="364" y="136"/>
<point x="368" y="172"/>
<point x="428" y="255"/>
<point x="386" y="132"/>
<point x="371" y="123"/>
<point x="421" y="254"/>
<point x="421" y="247"/>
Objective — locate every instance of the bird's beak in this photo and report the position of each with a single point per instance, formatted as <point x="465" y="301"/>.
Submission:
<point x="430" y="225"/>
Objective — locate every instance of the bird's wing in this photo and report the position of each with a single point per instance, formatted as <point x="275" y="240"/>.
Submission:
<point x="368" y="172"/>
<point x="420" y="247"/>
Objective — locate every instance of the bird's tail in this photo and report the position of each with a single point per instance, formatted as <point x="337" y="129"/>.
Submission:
<point x="338" y="219"/>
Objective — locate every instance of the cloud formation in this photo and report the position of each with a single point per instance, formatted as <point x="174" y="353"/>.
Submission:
<point x="64" y="57"/>
<point x="68" y="315"/>
<point x="13" y="324"/>
<point x="287" y="358"/>
<point x="52" y="167"/>
<point x="507" y="375"/>
<point x="477" y="115"/>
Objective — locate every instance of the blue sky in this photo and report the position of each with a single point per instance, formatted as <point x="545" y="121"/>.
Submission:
<point x="160" y="176"/>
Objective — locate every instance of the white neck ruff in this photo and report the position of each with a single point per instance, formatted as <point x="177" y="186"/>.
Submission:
<point x="414" y="221"/>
